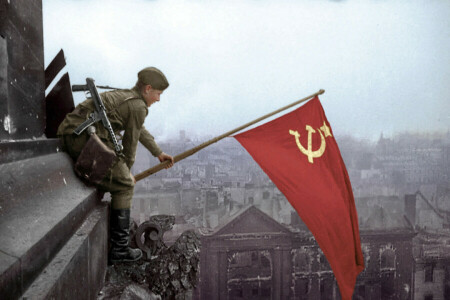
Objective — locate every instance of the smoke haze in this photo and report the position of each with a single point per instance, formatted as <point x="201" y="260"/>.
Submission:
<point x="384" y="64"/>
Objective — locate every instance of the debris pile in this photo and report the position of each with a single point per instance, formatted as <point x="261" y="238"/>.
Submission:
<point x="163" y="272"/>
<point x="123" y="278"/>
<point x="175" y="273"/>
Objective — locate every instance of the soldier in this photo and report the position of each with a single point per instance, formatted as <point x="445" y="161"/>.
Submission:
<point x="126" y="110"/>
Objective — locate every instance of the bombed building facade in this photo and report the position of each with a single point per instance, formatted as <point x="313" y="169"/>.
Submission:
<point x="251" y="256"/>
<point x="222" y="187"/>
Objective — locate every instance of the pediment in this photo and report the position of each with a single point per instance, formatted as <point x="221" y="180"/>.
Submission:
<point x="251" y="220"/>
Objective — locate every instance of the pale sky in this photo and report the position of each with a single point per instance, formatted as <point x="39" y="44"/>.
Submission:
<point x="385" y="65"/>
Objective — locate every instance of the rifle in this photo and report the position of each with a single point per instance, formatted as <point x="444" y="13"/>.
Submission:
<point x="99" y="113"/>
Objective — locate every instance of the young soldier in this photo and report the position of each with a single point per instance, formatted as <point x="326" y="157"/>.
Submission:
<point x="126" y="110"/>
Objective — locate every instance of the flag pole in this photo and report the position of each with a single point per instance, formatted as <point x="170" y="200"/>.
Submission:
<point x="192" y="151"/>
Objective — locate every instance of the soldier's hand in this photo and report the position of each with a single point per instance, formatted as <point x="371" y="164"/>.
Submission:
<point x="163" y="157"/>
<point x="132" y="177"/>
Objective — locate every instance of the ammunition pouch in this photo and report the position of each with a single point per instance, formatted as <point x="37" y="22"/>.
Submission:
<point x="95" y="160"/>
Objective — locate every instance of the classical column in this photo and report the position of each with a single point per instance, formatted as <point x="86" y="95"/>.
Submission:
<point x="277" y="273"/>
<point x="223" y="270"/>
<point x="211" y="275"/>
<point x="286" y="270"/>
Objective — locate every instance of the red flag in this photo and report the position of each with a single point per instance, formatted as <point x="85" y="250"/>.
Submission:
<point x="300" y="155"/>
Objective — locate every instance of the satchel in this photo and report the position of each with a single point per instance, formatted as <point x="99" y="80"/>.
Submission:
<point x="95" y="160"/>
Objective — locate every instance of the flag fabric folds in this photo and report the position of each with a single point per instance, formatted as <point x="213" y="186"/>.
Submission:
<point x="300" y="155"/>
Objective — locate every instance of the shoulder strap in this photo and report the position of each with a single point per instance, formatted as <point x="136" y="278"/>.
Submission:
<point x="131" y="98"/>
<point x="125" y="100"/>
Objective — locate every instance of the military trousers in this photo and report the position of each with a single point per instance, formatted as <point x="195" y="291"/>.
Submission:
<point x="118" y="180"/>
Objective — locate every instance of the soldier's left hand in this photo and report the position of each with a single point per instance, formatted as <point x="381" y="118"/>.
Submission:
<point x="163" y="157"/>
<point x="132" y="177"/>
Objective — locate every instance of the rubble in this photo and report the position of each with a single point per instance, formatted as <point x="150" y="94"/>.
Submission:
<point x="168" y="273"/>
<point x="136" y="292"/>
<point x="174" y="273"/>
<point x="120" y="276"/>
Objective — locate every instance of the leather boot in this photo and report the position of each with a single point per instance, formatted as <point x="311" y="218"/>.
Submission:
<point x="120" y="238"/>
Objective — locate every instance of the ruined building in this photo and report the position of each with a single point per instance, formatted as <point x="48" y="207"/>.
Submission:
<point x="251" y="256"/>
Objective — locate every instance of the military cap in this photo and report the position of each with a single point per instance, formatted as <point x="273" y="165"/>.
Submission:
<point x="153" y="77"/>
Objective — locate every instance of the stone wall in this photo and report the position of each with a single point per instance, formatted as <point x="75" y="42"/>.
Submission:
<point x="22" y="106"/>
<point x="51" y="224"/>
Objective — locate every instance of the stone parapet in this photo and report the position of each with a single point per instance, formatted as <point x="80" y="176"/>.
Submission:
<point x="11" y="151"/>
<point x="42" y="204"/>
<point x="78" y="270"/>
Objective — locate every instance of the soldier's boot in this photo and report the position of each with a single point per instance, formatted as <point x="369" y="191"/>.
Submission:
<point x="120" y="238"/>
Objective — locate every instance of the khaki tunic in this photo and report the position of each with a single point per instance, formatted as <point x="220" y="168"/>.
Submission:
<point x="126" y="111"/>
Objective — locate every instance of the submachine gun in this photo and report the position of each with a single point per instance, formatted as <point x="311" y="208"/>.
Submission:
<point x="95" y="158"/>
<point x="99" y="113"/>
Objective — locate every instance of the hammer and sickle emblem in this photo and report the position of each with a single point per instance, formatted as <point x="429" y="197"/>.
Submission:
<point x="309" y="152"/>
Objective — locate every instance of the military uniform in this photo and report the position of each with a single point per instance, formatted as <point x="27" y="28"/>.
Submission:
<point x="126" y="110"/>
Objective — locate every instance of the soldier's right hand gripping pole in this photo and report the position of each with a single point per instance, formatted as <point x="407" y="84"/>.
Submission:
<point x="99" y="113"/>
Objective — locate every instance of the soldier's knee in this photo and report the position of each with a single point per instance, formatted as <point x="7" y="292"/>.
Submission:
<point x="122" y="199"/>
<point x="73" y="145"/>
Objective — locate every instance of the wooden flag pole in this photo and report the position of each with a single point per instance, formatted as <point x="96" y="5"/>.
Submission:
<point x="187" y="153"/>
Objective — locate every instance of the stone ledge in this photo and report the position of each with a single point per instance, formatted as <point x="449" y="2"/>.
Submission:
<point x="11" y="151"/>
<point x="78" y="270"/>
<point x="42" y="203"/>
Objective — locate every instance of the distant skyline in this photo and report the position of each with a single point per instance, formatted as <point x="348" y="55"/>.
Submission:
<point x="384" y="65"/>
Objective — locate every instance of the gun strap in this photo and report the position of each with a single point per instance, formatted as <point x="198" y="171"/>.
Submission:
<point x="131" y="98"/>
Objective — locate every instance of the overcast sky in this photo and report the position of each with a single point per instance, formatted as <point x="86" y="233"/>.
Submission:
<point x="385" y="65"/>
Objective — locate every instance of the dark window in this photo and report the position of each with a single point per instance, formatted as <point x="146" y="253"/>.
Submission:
<point x="254" y="258"/>
<point x="302" y="262"/>
<point x="387" y="284"/>
<point x="240" y="259"/>
<point x="265" y="262"/>
<point x="236" y="293"/>
<point x="266" y="195"/>
<point x="428" y="297"/>
<point x="429" y="273"/>
<point x="447" y="280"/>
<point x="301" y="288"/>
<point x="153" y="204"/>
<point x="387" y="259"/>
<point x="326" y="289"/>
<point x="266" y="292"/>
<point x="361" y="290"/>
<point x="255" y="291"/>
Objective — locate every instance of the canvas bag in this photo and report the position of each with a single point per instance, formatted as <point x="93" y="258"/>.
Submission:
<point x="95" y="160"/>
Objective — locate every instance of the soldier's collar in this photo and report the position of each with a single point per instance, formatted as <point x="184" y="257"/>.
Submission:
<point x="137" y="93"/>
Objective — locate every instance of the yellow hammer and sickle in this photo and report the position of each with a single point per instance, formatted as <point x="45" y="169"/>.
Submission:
<point x="309" y="152"/>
